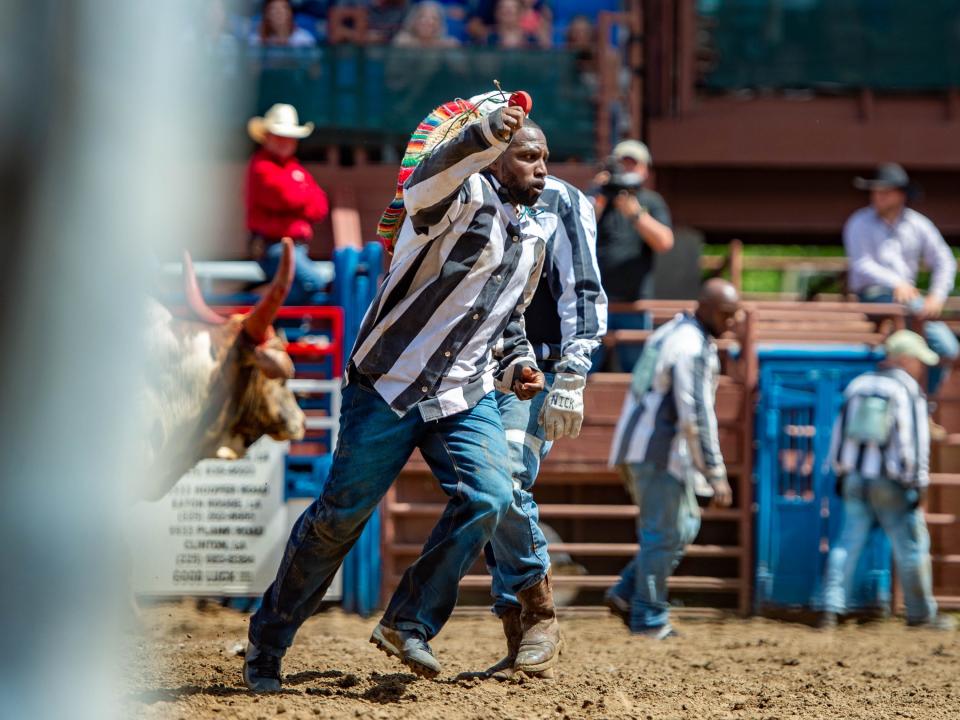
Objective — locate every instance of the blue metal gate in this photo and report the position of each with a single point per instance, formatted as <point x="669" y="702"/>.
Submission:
<point x="798" y="512"/>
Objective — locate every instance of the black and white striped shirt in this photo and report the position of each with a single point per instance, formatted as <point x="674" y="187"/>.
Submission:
<point x="903" y="455"/>
<point x="465" y="265"/>
<point x="568" y="314"/>
<point x="668" y="417"/>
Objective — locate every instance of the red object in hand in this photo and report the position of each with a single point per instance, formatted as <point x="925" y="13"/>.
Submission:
<point x="522" y="100"/>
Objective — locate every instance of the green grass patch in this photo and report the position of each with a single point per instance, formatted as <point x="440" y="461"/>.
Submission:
<point x="771" y="281"/>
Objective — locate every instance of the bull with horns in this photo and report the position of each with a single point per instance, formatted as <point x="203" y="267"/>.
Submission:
<point x="216" y="384"/>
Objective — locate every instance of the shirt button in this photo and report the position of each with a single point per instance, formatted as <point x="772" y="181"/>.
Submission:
<point x="476" y="316"/>
<point x="497" y="278"/>
<point x="516" y="239"/>
<point x="424" y="389"/>
<point x="447" y="354"/>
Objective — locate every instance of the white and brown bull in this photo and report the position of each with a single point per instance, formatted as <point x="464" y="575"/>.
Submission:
<point x="216" y="384"/>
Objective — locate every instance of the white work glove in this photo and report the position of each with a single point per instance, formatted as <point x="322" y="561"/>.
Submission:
<point x="562" y="411"/>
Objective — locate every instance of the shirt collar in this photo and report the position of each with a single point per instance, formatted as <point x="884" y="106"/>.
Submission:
<point x="896" y="221"/>
<point x="905" y="378"/>
<point x="692" y="318"/>
<point x="501" y="191"/>
<point x="264" y="153"/>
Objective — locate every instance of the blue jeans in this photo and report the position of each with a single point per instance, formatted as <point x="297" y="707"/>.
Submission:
<point x="307" y="282"/>
<point x="939" y="336"/>
<point x="517" y="554"/>
<point x="869" y="502"/>
<point x="465" y="453"/>
<point x="669" y="521"/>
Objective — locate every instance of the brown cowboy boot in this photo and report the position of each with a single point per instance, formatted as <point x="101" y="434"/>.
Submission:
<point x="541" y="643"/>
<point x="503" y="670"/>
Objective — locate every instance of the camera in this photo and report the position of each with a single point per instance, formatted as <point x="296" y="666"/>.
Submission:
<point x="619" y="180"/>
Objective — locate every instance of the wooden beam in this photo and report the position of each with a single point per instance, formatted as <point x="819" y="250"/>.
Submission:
<point x="685" y="59"/>
<point x="677" y="582"/>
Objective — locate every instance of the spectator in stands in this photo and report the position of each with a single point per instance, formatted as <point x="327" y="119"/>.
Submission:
<point x="581" y="38"/>
<point x="634" y="224"/>
<point x="277" y="28"/>
<point x="510" y="24"/>
<point x="886" y="242"/>
<point x="537" y="20"/>
<point x="283" y="199"/>
<point x="665" y="445"/>
<point x="385" y="18"/>
<point x="880" y="452"/>
<point x="425" y="27"/>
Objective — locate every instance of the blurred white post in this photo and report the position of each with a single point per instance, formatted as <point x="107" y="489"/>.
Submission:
<point x="99" y="137"/>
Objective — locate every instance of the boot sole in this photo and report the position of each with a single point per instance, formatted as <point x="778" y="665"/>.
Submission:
<point x="540" y="668"/>
<point x="263" y="687"/>
<point x="511" y="675"/>
<point x="391" y="651"/>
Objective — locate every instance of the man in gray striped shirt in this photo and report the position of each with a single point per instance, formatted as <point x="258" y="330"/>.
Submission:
<point x="421" y="375"/>
<point x="665" y="442"/>
<point x="880" y="451"/>
<point x="564" y="324"/>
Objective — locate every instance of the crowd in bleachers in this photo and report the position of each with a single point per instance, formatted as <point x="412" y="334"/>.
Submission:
<point x="516" y="24"/>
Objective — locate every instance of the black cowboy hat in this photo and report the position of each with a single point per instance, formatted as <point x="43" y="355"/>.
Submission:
<point x="888" y="175"/>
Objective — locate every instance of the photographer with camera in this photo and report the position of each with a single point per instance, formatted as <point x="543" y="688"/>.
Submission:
<point x="634" y="224"/>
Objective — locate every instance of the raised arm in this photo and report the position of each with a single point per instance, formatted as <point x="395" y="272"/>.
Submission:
<point x="435" y="184"/>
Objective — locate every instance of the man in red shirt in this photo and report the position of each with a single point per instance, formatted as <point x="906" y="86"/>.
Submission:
<point x="283" y="199"/>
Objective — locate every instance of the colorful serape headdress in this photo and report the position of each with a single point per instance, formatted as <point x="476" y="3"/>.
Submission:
<point x="444" y="122"/>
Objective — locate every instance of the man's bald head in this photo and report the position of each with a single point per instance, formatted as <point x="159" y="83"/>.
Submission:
<point x="717" y="305"/>
<point x="719" y="292"/>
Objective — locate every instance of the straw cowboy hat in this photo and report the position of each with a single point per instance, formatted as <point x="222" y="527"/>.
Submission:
<point x="280" y="120"/>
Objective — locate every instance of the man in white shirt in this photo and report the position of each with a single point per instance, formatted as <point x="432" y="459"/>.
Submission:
<point x="886" y="242"/>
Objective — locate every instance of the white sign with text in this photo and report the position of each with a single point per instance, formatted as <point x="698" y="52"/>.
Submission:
<point x="221" y="530"/>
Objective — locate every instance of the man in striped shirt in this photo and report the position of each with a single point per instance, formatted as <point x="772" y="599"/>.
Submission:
<point x="666" y="440"/>
<point x="880" y="451"/>
<point x="564" y="324"/>
<point x="421" y="375"/>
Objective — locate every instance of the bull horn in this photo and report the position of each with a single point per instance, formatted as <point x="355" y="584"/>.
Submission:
<point x="195" y="300"/>
<point x="260" y="320"/>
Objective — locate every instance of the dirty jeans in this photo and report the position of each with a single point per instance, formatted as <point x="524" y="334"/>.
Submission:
<point x="307" y="282"/>
<point x="517" y="555"/>
<point x="884" y="502"/>
<point x="669" y="520"/>
<point x="939" y="336"/>
<point x="464" y="451"/>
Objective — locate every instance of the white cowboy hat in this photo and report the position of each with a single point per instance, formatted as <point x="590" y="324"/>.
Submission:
<point x="280" y="120"/>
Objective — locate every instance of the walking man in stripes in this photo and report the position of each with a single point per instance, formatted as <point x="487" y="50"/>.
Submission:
<point x="564" y="324"/>
<point x="421" y="375"/>
<point x="881" y="451"/>
<point x="665" y="444"/>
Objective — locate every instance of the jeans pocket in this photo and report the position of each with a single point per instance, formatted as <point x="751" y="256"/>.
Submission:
<point x="364" y="389"/>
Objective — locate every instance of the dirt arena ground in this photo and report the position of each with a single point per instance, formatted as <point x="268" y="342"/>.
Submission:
<point x="184" y="665"/>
